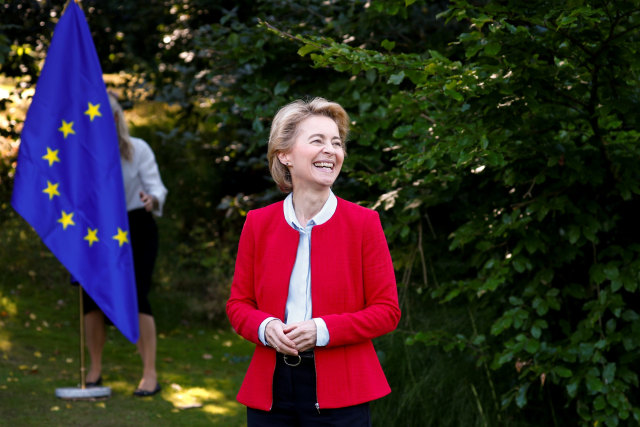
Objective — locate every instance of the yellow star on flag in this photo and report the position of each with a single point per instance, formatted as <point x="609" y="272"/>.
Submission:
<point x="51" y="156"/>
<point x="92" y="236"/>
<point x="121" y="237"/>
<point x="66" y="220"/>
<point x="66" y="129"/>
<point x="93" y="111"/>
<point x="51" y="190"/>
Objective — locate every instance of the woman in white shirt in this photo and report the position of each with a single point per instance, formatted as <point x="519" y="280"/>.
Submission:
<point x="145" y="195"/>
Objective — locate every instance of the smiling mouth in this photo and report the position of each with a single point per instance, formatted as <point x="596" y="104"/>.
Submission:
<point x="324" y="165"/>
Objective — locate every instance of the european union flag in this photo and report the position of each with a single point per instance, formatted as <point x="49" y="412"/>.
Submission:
<point x="68" y="183"/>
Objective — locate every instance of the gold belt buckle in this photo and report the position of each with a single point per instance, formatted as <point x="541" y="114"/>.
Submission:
<point x="292" y="364"/>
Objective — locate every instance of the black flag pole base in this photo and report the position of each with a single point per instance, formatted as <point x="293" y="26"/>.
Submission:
<point x="79" y="393"/>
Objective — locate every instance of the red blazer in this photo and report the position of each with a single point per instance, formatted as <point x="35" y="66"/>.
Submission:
<point x="353" y="289"/>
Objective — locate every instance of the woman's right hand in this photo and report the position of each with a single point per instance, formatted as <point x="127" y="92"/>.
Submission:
<point x="276" y="338"/>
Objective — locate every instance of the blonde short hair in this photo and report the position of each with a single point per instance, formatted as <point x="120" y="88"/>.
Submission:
<point x="284" y="129"/>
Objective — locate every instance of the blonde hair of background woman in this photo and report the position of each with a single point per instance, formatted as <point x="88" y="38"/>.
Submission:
<point x="124" y="139"/>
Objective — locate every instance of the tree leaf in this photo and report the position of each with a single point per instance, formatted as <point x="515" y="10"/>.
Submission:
<point x="396" y="79"/>
<point x="492" y="48"/>
<point x="388" y="45"/>
<point x="281" y="87"/>
<point x="307" y="48"/>
<point x="562" y="372"/>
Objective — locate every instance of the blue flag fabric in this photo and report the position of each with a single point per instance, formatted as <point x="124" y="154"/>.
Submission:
<point x="68" y="183"/>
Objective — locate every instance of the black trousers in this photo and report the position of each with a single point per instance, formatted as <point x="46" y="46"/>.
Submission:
<point x="294" y="401"/>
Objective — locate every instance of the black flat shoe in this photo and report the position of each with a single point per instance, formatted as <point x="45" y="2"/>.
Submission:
<point x="145" y="393"/>
<point x="96" y="383"/>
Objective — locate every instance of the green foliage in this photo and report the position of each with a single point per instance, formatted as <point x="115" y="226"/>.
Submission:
<point x="514" y="143"/>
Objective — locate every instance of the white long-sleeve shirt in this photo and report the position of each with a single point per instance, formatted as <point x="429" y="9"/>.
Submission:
<point x="142" y="174"/>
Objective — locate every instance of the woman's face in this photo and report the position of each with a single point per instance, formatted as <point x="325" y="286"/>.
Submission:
<point x="317" y="155"/>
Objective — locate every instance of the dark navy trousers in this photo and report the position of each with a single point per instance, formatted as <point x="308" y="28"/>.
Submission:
<point x="294" y="401"/>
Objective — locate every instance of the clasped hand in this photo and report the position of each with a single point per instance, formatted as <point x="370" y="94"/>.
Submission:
<point x="291" y="339"/>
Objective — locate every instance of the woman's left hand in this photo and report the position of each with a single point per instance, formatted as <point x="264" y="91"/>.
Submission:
<point x="148" y="200"/>
<point x="303" y="334"/>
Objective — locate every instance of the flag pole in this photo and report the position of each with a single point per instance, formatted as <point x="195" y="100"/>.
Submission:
<point x="67" y="4"/>
<point x="83" y="383"/>
<point x="82" y="392"/>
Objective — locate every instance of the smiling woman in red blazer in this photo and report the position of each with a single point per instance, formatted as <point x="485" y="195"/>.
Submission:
<point x="313" y="283"/>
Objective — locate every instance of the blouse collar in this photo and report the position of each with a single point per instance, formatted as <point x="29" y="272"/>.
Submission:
<point x="321" y="217"/>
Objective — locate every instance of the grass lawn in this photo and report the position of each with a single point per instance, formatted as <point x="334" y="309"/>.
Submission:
<point x="200" y="367"/>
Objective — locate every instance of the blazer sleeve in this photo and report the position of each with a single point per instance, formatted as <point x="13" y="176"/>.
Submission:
<point x="242" y="307"/>
<point x="381" y="311"/>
